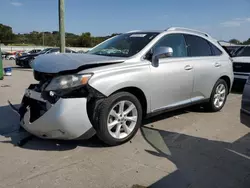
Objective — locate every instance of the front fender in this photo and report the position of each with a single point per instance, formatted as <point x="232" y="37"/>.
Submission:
<point x="117" y="79"/>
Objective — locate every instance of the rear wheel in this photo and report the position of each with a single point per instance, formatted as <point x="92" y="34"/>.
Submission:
<point x="119" y="118"/>
<point x="218" y="97"/>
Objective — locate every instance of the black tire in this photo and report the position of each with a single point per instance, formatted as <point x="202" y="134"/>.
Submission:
<point x="103" y="112"/>
<point x="210" y="106"/>
<point x="12" y="58"/>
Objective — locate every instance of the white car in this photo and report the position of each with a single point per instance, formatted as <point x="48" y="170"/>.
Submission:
<point x="10" y="57"/>
<point x="112" y="87"/>
<point x="241" y="64"/>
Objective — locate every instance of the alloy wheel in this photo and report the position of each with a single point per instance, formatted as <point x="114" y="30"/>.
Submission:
<point x="220" y="95"/>
<point x="122" y="119"/>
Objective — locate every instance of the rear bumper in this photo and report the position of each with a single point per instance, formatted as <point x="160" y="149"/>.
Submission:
<point x="67" y="119"/>
<point x="241" y="76"/>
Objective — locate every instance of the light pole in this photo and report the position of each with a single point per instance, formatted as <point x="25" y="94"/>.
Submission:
<point x="43" y="39"/>
<point x="61" y="26"/>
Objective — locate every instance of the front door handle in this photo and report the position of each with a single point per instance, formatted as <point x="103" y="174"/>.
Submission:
<point x="188" y="67"/>
<point x="217" y="64"/>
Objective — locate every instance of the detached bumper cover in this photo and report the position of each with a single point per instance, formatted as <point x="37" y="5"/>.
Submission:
<point x="67" y="119"/>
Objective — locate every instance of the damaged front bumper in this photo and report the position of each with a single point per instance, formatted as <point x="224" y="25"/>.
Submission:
<point x="66" y="119"/>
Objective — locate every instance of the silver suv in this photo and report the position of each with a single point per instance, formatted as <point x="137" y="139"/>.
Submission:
<point x="111" y="88"/>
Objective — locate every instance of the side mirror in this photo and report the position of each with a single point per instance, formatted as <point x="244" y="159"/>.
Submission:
<point x="161" y="52"/>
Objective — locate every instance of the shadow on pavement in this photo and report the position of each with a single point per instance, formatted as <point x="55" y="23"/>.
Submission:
<point x="201" y="163"/>
<point x="166" y="115"/>
<point x="9" y="128"/>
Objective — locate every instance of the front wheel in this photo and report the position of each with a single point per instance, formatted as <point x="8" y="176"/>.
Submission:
<point x="218" y="97"/>
<point x="119" y="118"/>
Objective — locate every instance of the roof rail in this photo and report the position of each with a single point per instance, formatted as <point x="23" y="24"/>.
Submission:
<point x="188" y="30"/>
<point x="133" y="31"/>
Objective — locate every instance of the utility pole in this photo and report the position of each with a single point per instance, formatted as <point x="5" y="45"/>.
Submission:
<point x="61" y="25"/>
<point x="43" y="38"/>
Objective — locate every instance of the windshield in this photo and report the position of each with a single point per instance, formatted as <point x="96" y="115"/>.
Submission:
<point x="124" y="45"/>
<point x="243" y="52"/>
<point x="44" y="51"/>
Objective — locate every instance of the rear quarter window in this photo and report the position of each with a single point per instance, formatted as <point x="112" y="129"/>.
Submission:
<point x="216" y="51"/>
<point x="197" y="46"/>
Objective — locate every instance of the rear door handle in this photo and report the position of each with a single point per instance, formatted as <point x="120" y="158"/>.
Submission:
<point x="188" y="67"/>
<point x="217" y="64"/>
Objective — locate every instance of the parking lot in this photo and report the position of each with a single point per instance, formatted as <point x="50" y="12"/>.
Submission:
<point x="185" y="148"/>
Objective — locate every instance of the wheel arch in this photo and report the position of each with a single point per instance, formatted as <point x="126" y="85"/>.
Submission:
<point x="139" y="94"/>
<point x="228" y="81"/>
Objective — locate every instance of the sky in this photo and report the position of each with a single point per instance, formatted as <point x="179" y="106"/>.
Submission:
<point x="223" y="19"/>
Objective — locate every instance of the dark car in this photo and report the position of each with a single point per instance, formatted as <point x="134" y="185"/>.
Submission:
<point x="232" y="49"/>
<point x="25" y="60"/>
<point x="245" y="105"/>
<point x="241" y="65"/>
<point x="34" y="51"/>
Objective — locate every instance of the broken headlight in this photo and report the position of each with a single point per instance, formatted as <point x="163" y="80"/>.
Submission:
<point x="68" y="81"/>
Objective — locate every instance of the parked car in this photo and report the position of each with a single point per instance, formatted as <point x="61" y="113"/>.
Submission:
<point x="241" y="64"/>
<point x="245" y="105"/>
<point x="4" y="53"/>
<point x="25" y="60"/>
<point x="110" y="89"/>
<point x="231" y="49"/>
<point x="10" y="57"/>
<point x="81" y="52"/>
<point x="34" y="51"/>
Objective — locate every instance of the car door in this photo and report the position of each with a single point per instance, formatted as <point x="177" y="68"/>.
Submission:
<point x="206" y="63"/>
<point x="173" y="79"/>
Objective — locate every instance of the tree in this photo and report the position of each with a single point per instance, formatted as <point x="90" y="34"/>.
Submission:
<point x="6" y="34"/>
<point x="85" y="39"/>
<point x="247" y="42"/>
<point x="50" y="38"/>
<point x="235" y="41"/>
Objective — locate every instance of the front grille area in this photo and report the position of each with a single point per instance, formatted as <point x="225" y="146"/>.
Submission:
<point x="43" y="77"/>
<point x="241" y="67"/>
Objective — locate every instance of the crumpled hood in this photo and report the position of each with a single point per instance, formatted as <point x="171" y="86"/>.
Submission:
<point x="55" y="63"/>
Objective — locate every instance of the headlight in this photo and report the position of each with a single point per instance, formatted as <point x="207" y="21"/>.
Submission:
<point x="68" y="81"/>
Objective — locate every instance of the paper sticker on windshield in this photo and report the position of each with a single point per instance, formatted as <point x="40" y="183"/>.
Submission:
<point x="138" y="35"/>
